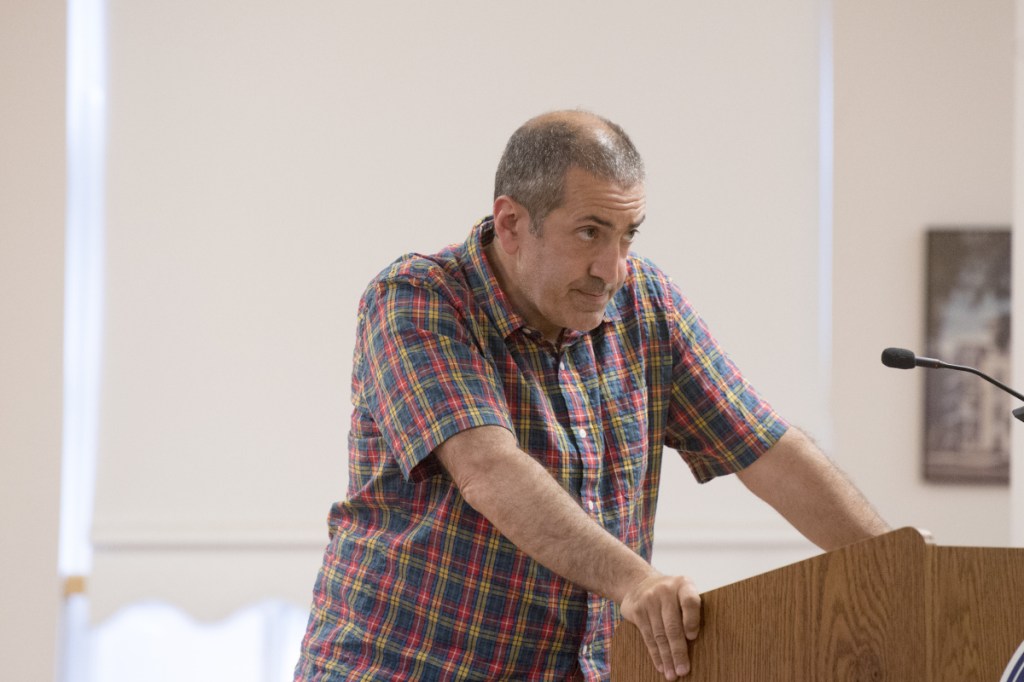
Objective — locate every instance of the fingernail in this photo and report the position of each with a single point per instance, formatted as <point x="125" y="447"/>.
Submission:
<point x="682" y="670"/>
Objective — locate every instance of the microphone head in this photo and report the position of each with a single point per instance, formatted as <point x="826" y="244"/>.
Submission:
<point x="899" y="358"/>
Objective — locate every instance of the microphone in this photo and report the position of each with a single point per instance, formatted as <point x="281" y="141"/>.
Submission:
<point x="901" y="358"/>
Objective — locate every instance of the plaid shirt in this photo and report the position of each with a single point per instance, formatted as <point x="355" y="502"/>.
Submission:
<point x="415" y="584"/>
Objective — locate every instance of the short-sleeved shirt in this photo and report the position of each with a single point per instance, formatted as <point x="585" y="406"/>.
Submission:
<point x="417" y="585"/>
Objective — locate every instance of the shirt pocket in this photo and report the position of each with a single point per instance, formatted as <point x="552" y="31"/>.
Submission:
<point x="626" y="439"/>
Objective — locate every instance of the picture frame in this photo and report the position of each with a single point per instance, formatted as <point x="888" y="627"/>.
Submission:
<point x="967" y="420"/>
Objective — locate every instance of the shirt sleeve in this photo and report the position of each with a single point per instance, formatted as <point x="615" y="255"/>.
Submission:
<point x="426" y="379"/>
<point x="717" y="421"/>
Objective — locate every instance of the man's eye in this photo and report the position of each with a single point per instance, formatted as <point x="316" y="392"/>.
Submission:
<point x="588" y="233"/>
<point x="632" y="235"/>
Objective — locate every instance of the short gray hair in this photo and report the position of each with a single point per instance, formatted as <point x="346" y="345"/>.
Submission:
<point x="538" y="155"/>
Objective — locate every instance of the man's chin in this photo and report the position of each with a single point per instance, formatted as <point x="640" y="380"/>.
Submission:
<point x="586" y="323"/>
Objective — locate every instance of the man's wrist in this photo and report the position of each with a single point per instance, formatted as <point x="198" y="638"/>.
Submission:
<point x="635" y="574"/>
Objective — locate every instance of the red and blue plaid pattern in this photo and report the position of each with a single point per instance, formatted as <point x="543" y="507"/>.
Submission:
<point x="415" y="584"/>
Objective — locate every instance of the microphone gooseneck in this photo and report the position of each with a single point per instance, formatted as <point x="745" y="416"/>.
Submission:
<point x="901" y="358"/>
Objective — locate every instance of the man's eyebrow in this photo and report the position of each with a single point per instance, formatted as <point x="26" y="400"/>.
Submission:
<point x="604" y="223"/>
<point x="596" y="219"/>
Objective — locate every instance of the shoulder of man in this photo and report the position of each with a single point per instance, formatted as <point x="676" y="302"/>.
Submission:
<point x="414" y="266"/>
<point x="439" y="272"/>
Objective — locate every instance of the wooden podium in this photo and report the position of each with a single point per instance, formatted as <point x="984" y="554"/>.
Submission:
<point x="894" y="608"/>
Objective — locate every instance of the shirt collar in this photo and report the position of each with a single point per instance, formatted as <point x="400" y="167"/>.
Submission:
<point x="494" y="301"/>
<point x="485" y="285"/>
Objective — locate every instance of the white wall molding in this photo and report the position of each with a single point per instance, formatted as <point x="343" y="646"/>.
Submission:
<point x="712" y="538"/>
<point x="122" y="538"/>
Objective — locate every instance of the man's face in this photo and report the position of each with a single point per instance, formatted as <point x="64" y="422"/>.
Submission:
<point x="565" y="275"/>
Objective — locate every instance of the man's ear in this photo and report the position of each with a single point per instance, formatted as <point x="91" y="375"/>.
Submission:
<point x="511" y="223"/>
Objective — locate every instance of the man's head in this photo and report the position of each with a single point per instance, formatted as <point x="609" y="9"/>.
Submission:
<point x="537" y="157"/>
<point x="588" y="194"/>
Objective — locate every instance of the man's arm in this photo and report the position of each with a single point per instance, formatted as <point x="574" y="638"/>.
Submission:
<point x="803" y="485"/>
<point x="516" y="494"/>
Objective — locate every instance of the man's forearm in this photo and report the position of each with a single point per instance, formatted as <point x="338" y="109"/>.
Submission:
<point x="516" y="494"/>
<point x="803" y="485"/>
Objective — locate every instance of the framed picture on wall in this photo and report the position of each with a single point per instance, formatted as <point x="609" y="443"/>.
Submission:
<point x="968" y="420"/>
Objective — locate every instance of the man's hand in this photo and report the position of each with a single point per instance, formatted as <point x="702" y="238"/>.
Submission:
<point x="666" y="609"/>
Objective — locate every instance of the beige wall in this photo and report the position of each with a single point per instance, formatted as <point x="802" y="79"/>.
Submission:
<point x="32" y="52"/>
<point x="924" y="114"/>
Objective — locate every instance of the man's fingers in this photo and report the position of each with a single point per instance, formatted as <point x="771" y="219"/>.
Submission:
<point x="664" y="651"/>
<point x="652" y="646"/>
<point x="690" y="603"/>
<point x="658" y="645"/>
<point x="675" y="636"/>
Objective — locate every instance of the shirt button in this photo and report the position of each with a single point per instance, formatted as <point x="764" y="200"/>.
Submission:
<point x="590" y="505"/>
<point x="585" y="649"/>
<point x="583" y="433"/>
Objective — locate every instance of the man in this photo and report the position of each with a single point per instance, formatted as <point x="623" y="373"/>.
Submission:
<point x="512" y="398"/>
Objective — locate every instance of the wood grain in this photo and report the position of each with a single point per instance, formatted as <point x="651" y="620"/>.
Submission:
<point x="976" y="615"/>
<point x="893" y="608"/>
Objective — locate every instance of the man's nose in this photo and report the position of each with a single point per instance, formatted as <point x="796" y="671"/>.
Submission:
<point x="608" y="265"/>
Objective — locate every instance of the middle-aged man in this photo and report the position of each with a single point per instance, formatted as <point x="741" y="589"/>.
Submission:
<point x="512" y="398"/>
